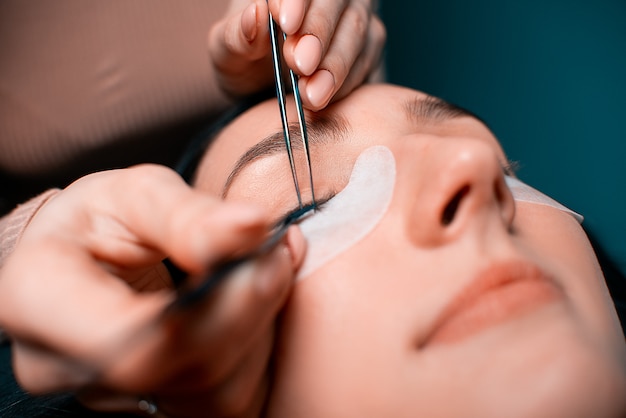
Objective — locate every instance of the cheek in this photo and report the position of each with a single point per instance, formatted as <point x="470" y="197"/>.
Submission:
<point x="339" y="331"/>
<point x="555" y="233"/>
<point x="560" y="244"/>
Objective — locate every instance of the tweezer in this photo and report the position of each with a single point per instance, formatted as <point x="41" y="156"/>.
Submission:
<point x="280" y="94"/>
<point x="189" y="296"/>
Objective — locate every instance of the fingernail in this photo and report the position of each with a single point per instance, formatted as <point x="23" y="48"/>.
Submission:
<point x="307" y="54"/>
<point x="248" y="23"/>
<point x="290" y="16"/>
<point x="320" y="88"/>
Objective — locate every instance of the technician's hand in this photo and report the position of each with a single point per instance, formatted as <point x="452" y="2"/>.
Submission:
<point x="334" y="45"/>
<point x="86" y="278"/>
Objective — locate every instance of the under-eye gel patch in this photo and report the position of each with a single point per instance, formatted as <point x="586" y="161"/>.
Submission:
<point x="352" y="213"/>
<point x="524" y="193"/>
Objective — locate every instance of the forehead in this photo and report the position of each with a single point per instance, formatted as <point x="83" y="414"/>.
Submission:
<point x="264" y="119"/>
<point x="373" y="111"/>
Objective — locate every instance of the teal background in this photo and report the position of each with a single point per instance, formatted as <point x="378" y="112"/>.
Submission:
<point x="549" y="77"/>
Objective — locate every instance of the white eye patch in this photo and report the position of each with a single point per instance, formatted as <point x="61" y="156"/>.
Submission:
<point x="360" y="206"/>
<point x="524" y="193"/>
<point x="352" y="213"/>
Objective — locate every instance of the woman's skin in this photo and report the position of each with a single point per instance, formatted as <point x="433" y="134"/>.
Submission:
<point x="87" y="272"/>
<point x="365" y="335"/>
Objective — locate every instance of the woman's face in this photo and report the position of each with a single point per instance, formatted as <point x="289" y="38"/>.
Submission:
<point x="458" y="302"/>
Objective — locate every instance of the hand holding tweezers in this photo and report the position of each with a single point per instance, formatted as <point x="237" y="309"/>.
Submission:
<point x="190" y="296"/>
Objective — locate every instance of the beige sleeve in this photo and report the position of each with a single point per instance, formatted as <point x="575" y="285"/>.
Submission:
<point x="78" y="76"/>
<point x="12" y="226"/>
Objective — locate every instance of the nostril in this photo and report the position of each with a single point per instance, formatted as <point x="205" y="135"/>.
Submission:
<point x="453" y="205"/>
<point x="500" y="187"/>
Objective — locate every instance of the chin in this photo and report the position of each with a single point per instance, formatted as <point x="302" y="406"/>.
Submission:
<point x="568" y="380"/>
<point x="550" y="371"/>
<point x="589" y="393"/>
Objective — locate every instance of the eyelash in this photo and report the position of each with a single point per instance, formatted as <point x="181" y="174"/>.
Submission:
<point x="510" y="168"/>
<point x="296" y="215"/>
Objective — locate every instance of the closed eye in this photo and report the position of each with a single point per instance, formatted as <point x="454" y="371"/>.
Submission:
<point x="297" y="214"/>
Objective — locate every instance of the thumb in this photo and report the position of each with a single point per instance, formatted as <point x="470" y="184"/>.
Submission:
<point x="194" y="229"/>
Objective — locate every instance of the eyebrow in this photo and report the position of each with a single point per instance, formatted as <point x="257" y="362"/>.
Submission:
<point x="432" y="109"/>
<point x="325" y="127"/>
<point x="321" y="128"/>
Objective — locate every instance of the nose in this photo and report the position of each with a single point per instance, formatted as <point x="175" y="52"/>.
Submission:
<point x="458" y="187"/>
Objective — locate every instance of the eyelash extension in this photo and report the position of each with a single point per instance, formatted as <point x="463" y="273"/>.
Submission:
<point x="510" y="168"/>
<point x="296" y="215"/>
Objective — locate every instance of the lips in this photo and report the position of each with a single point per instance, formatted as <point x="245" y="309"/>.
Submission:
<point x="501" y="293"/>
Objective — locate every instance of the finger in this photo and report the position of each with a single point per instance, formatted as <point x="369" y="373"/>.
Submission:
<point x="107" y="400"/>
<point x="49" y="357"/>
<point x="219" y="332"/>
<point x="242" y="37"/>
<point x="247" y="303"/>
<point x="239" y="48"/>
<point x="244" y="393"/>
<point x="149" y="279"/>
<point x="304" y="49"/>
<point x="38" y="370"/>
<point x="289" y="14"/>
<point x="368" y="65"/>
<point x="241" y="394"/>
<point x="134" y="217"/>
<point x="67" y="310"/>
<point x="160" y="211"/>
<point x="344" y="71"/>
<point x="112" y="401"/>
<point x="338" y="57"/>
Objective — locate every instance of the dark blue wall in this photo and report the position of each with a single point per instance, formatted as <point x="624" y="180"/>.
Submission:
<point x="549" y="77"/>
